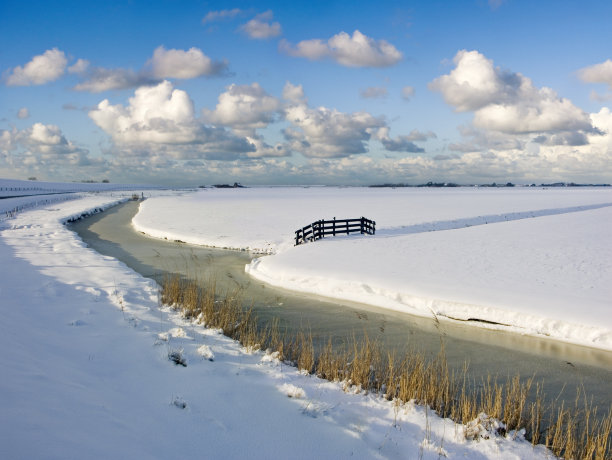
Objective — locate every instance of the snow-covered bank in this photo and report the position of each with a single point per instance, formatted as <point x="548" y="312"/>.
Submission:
<point x="86" y="373"/>
<point x="532" y="260"/>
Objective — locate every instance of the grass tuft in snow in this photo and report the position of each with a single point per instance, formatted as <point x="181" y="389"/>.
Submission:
<point x="485" y="408"/>
<point x="177" y="357"/>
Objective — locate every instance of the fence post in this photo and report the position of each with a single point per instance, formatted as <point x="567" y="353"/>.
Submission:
<point x="334" y="227"/>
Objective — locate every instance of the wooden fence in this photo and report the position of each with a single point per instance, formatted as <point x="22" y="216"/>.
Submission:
<point x="322" y="228"/>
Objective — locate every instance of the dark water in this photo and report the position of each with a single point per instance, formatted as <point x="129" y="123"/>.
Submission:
<point x="559" y="365"/>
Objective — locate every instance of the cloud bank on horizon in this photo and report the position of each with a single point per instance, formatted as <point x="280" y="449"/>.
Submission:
<point x="305" y="95"/>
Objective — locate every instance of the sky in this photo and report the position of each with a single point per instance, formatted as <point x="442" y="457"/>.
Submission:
<point x="336" y="92"/>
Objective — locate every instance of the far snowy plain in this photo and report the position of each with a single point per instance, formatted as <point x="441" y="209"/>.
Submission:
<point x="532" y="260"/>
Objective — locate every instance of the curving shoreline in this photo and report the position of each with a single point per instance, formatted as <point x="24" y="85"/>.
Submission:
<point x="533" y="262"/>
<point x="488" y="351"/>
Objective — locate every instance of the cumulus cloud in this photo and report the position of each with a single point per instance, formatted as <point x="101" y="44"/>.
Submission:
<point x="505" y="101"/>
<point x="41" y="149"/>
<point x="357" y="50"/>
<point x="547" y="157"/>
<point x="192" y="63"/>
<point x="46" y="135"/>
<point x="595" y="96"/>
<point x="23" y="113"/>
<point x="568" y="138"/>
<point x="327" y="133"/>
<point x="244" y="107"/>
<point x="401" y="144"/>
<point x="598" y="73"/>
<point x="100" y="79"/>
<point x="407" y="92"/>
<point x="155" y="114"/>
<point x="261" y="27"/>
<point x="404" y="143"/>
<point x="602" y="121"/>
<point x="374" y="92"/>
<point x="79" y="67"/>
<point x="265" y="150"/>
<point x="172" y="63"/>
<point x="42" y="69"/>
<point x="220" y="15"/>
<point x="293" y="93"/>
<point x="162" y="118"/>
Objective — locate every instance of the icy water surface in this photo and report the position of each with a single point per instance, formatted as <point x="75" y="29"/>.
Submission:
<point x="559" y="365"/>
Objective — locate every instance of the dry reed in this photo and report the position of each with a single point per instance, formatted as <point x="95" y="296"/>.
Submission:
<point x="571" y="432"/>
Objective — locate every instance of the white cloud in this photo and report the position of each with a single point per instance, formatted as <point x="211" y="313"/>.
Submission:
<point x="407" y="92"/>
<point x="164" y="64"/>
<point x="327" y="133"/>
<point x="156" y="114"/>
<point x="504" y="101"/>
<point x="100" y="79"/>
<point x="313" y="49"/>
<point x="7" y="139"/>
<point x="46" y="135"/>
<point x="474" y="83"/>
<point x="175" y="63"/>
<point x="264" y="150"/>
<point x="79" y="67"/>
<point x="160" y="119"/>
<point x="293" y="93"/>
<point x="244" y="107"/>
<point x="544" y="111"/>
<point x="23" y="113"/>
<point x="550" y="157"/>
<point x="595" y="96"/>
<point x="219" y="15"/>
<point x="42" y="150"/>
<point x="602" y="121"/>
<point x="598" y="73"/>
<point x="357" y="50"/>
<point x="404" y="143"/>
<point x="261" y="27"/>
<point x="43" y="68"/>
<point x="374" y="92"/>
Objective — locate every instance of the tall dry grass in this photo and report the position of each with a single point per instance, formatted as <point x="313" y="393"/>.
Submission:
<point x="569" y="432"/>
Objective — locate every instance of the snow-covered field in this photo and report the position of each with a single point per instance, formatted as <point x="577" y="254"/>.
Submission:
<point x="536" y="261"/>
<point x="86" y="374"/>
<point x="14" y="187"/>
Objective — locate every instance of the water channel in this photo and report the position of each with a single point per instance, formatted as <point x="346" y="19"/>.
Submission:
<point x="499" y="353"/>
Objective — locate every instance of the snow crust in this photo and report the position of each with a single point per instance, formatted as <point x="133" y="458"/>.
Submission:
<point x="86" y="374"/>
<point x="533" y="260"/>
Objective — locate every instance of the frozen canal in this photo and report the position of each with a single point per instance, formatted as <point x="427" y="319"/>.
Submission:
<point x="487" y="352"/>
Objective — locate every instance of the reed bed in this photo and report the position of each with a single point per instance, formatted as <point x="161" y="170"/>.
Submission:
<point x="569" y="431"/>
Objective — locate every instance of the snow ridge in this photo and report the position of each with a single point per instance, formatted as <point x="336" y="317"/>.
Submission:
<point x="483" y="220"/>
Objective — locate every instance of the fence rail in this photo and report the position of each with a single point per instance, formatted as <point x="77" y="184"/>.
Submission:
<point x="323" y="228"/>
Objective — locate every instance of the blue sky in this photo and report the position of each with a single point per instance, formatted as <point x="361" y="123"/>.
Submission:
<point x="177" y="92"/>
